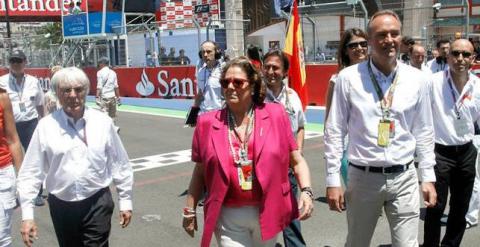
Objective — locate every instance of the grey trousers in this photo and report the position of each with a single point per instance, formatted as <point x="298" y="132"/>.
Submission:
<point x="367" y="193"/>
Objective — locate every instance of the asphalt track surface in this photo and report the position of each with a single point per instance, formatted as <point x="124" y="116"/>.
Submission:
<point x="161" y="181"/>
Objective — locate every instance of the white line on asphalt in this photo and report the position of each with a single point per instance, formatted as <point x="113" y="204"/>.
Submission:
<point x="178" y="157"/>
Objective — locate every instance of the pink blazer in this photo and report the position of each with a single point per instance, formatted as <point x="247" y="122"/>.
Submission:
<point x="273" y="142"/>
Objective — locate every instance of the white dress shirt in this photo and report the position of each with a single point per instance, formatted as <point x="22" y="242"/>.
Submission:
<point x="25" y="97"/>
<point x="293" y="107"/>
<point x="468" y="105"/>
<point x="107" y="82"/>
<point x="77" y="160"/>
<point x="208" y="82"/>
<point x="436" y="67"/>
<point x="355" y="111"/>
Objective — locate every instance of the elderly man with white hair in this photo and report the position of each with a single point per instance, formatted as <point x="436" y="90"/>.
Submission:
<point x="79" y="152"/>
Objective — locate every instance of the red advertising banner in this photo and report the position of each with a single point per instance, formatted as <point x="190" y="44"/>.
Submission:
<point x="179" y="81"/>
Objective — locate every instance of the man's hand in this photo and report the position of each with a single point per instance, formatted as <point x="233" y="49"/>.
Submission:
<point x="125" y="217"/>
<point x="29" y="232"/>
<point x="335" y="199"/>
<point x="119" y="102"/>
<point x="429" y="194"/>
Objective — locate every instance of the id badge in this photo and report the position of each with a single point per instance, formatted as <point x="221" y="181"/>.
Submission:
<point x="245" y="176"/>
<point x="461" y="127"/>
<point x="383" y="132"/>
<point x="22" y="107"/>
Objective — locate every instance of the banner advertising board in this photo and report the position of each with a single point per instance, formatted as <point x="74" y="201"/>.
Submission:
<point x="178" y="82"/>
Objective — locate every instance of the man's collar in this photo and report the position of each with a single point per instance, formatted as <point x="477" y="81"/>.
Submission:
<point x="276" y="98"/>
<point x="66" y="119"/>
<point x="15" y="78"/>
<point x="377" y="72"/>
<point x="470" y="76"/>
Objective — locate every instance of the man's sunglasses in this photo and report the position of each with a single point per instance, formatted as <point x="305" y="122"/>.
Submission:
<point x="237" y="83"/>
<point x="353" y="45"/>
<point x="464" y="53"/>
<point x="15" y="60"/>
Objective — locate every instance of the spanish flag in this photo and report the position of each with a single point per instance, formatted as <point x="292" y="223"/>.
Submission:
<point x="294" y="49"/>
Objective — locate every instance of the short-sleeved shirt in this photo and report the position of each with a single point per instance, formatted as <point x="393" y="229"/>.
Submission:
<point x="208" y="82"/>
<point x="25" y="96"/>
<point x="290" y="100"/>
<point x="107" y="82"/>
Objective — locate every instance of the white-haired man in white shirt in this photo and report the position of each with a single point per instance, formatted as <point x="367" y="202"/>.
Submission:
<point x="79" y="153"/>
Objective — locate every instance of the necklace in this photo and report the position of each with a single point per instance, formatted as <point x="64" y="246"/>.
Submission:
<point x="240" y="158"/>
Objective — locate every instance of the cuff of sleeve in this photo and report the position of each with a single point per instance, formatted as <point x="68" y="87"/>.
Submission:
<point x="125" y="205"/>
<point x="333" y="180"/>
<point x="427" y="174"/>
<point x="27" y="213"/>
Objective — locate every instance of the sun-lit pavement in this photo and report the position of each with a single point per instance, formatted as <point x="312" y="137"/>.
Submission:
<point x="158" y="147"/>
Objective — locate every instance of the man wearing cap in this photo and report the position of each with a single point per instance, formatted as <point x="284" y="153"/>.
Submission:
<point x="108" y="95"/>
<point x="26" y="96"/>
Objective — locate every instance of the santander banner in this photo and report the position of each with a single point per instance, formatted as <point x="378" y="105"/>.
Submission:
<point x="33" y="7"/>
<point x="179" y="81"/>
<point x="44" y="8"/>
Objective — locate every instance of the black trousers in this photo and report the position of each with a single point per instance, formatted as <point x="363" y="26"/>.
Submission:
<point x="455" y="169"/>
<point x="84" y="223"/>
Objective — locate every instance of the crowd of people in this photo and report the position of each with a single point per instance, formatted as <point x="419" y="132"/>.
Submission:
<point x="380" y="112"/>
<point x="371" y="140"/>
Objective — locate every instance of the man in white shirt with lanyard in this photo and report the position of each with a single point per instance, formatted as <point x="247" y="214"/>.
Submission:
<point x="108" y="95"/>
<point x="456" y="106"/>
<point x="27" y="99"/>
<point x="383" y="106"/>
<point x="26" y="96"/>
<point x="275" y="69"/>
<point x="440" y="62"/>
<point x="209" y="91"/>
<point x="79" y="152"/>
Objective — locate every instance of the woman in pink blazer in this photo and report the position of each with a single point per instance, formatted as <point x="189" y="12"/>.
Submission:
<point x="242" y="154"/>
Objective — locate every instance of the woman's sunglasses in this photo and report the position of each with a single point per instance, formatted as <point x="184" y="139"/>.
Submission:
<point x="353" y="45"/>
<point x="237" y="83"/>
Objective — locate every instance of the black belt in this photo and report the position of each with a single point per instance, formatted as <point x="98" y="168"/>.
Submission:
<point x="385" y="169"/>
<point x="453" y="148"/>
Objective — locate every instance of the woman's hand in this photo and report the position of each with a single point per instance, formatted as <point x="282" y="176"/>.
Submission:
<point x="190" y="224"/>
<point x="305" y="205"/>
